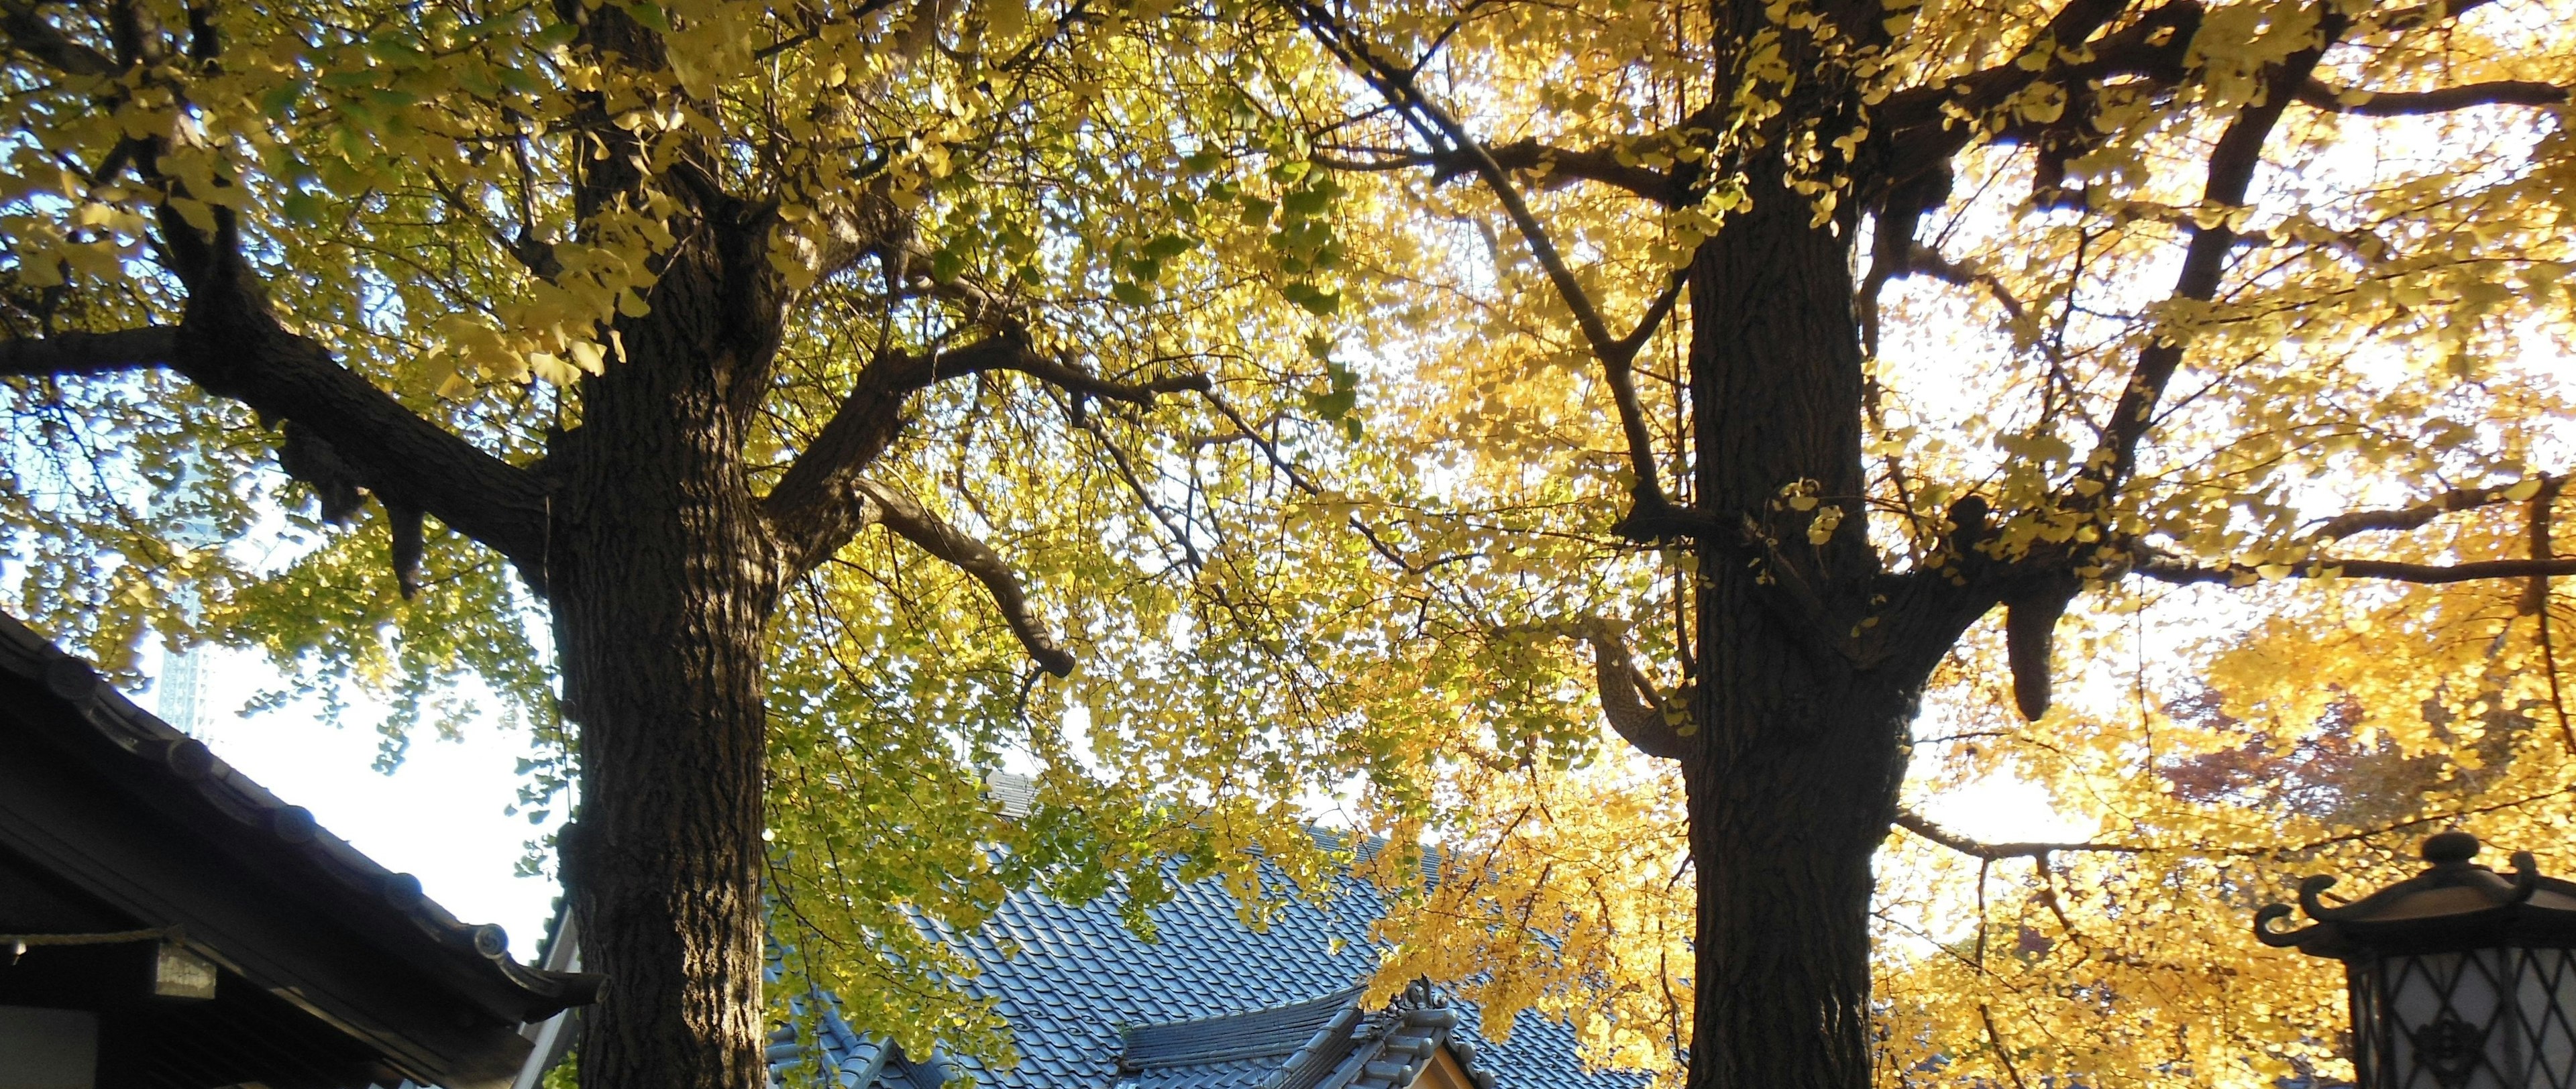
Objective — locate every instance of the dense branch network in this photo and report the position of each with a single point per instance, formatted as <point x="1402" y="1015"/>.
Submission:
<point x="1917" y="132"/>
<point x="1654" y="514"/>
<point x="814" y="508"/>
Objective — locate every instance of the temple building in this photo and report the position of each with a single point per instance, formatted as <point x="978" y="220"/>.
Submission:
<point x="166" y="923"/>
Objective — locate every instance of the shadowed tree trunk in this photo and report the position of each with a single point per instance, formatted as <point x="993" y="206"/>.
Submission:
<point x="1801" y="753"/>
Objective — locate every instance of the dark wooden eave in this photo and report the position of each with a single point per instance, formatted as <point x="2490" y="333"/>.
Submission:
<point x="138" y="822"/>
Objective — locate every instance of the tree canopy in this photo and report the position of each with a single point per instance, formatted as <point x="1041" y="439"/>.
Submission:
<point x="1271" y="399"/>
<point x="1031" y="291"/>
<point x="2245" y="325"/>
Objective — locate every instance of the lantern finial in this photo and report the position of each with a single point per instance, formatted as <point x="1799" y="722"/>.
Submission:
<point x="2450" y="848"/>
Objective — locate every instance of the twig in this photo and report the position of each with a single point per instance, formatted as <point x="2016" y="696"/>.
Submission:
<point x="1988" y="852"/>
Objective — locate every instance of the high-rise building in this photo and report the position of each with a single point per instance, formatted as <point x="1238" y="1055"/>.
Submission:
<point x="181" y="688"/>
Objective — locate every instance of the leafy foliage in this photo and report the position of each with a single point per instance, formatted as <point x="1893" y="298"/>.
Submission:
<point x="1384" y="557"/>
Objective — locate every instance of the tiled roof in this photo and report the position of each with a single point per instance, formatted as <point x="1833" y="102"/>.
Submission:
<point x="152" y="758"/>
<point x="327" y="968"/>
<point x="1210" y="1004"/>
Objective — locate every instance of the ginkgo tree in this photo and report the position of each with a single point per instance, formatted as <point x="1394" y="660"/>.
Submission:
<point x="1735" y="362"/>
<point x="1784" y="373"/>
<point x="823" y="377"/>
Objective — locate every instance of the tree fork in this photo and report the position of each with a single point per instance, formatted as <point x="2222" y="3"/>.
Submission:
<point x="1800" y="755"/>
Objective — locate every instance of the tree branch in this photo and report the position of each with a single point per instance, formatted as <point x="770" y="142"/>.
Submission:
<point x="1922" y="136"/>
<point x="2231" y="173"/>
<point x="2167" y="569"/>
<point x="816" y="506"/>
<point x="232" y="347"/>
<point x="29" y="33"/>
<point x="1631" y="703"/>
<point x="1555" y="167"/>
<point x="2503" y="92"/>
<point x="908" y="520"/>
<point x="1929" y="262"/>
<point x="65" y="355"/>
<point x="2401" y="519"/>
<point x="1992" y="852"/>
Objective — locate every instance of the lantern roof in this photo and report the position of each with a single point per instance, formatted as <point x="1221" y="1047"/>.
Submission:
<point x="2455" y="904"/>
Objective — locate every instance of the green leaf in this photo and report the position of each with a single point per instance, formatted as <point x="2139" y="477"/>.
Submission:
<point x="651" y="16"/>
<point x="282" y="98"/>
<point x="947" y="264"/>
<point x="553" y="36"/>
<point x="394" y="51"/>
<point x="302" y="207"/>
<point x="1321" y="303"/>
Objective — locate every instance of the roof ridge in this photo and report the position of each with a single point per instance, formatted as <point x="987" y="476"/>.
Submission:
<point x="1345" y="996"/>
<point x="1285" y="1029"/>
<point x="149" y="743"/>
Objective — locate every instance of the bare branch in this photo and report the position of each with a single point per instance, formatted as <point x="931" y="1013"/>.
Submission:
<point x="403" y="458"/>
<point x="1929" y="262"/>
<point x="2423" y="15"/>
<point x="2400" y="519"/>
<point x="2231" y="172"/>
<point x="1994" y="1039"/>
<point x="1654" y="510"/>
<point x="2503" y="92"/>
<point x="1270" y="452"/>
<point x="1075" y="380"/>
<point x="2166" y="569"/>
<point x="2535" y="600"/>
<point x="908" y="520"/>
<point x="815" y="507"/>
<point x="1913" y="822"/>
<point x="74" y="354"/>
<point x="29" y="33"/>
<point x="1553" y="167"/>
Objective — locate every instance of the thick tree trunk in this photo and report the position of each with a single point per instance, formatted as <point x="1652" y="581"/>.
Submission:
<point x="661" y="580"/>
<point x="1784" y="822"/>
<point x="1801" y="752"/>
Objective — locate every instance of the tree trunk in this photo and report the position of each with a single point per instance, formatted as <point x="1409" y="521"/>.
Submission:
<point x="1784" y="822"/>
<point x="1801" y="753"/>
<point x="662" y="578"/>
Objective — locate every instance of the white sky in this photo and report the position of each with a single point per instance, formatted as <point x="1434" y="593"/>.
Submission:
<point x="438" y="817"/>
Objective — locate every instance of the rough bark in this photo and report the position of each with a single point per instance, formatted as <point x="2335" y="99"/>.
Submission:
<point x="663" y="579"/>
<point x="1795" y="781"/>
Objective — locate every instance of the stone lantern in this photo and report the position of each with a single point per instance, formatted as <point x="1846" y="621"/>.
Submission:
<point x="2460" y="977"/>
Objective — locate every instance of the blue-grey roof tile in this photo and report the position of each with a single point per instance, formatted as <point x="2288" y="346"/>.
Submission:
<point x="1092" y="1006"/>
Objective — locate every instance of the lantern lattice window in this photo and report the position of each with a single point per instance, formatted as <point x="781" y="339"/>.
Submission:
<point x="2461" y="978"/>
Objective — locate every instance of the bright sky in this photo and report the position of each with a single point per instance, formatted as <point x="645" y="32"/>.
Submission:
<point x="438" y="817"/>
